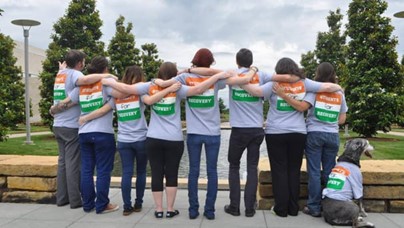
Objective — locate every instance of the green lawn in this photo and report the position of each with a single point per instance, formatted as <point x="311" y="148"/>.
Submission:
<point x="34" y="128"/>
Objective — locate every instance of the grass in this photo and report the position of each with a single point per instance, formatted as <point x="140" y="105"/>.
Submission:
<point x="34" y="128"/>
<point x="43" y="145"/>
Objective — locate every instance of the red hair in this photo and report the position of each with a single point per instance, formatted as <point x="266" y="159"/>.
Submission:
<point x="203" y="58"/>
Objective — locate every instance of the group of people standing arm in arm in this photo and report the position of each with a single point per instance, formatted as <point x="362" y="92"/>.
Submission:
<point x="88" y="126"/>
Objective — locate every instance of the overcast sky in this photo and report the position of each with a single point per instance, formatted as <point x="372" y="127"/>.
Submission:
<point x="270" y="28"/>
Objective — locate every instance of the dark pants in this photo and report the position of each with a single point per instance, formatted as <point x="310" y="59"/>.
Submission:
<point x="68" y="176"/>
<point x="241" y="139"/>
<point x="285" y="152"/>
<point x="164" y="157"/>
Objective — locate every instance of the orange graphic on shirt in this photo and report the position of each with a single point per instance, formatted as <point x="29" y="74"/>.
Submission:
<point x="341" y="170"/>
<point x="329" y="98"/>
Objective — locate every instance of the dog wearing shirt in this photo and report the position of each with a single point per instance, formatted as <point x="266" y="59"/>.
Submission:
<point x="345" y="186"/>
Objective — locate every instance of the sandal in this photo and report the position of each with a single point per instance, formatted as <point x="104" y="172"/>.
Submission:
<point x="158" y="214"/>
<point x="171" y="214"/>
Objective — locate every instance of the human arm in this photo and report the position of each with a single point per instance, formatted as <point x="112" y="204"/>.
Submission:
<point x="62" y="65"/>
<point x="236" y="80"/>
<point x="152" y="99"/>
<point x="341" y="118"/>
<point x="164" y="83"/>
<point x="61" y="106"/>
<point x="95" y="114"/>
<point x="254" y="90"/>
<point x="329" y="87"/>
<point x="300" y="106"/>
<point x="206" y="84"/>
<point x="93" y="78"/>
<point x="205" y="71"/>
<point x="120" y="89"/>
<point x="285" y="78"/>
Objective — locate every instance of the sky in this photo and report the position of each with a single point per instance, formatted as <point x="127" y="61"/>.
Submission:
<point x="272" y="29"/>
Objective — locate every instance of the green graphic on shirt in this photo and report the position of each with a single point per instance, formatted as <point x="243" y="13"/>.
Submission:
<point x="282" y="105"/>
<point x="164" y="109"/>
<point x="90" y="105"/>
<point x="326" y="115"/>
<point x="128" y="114"/>
<point x="335" y="183"/>
<point x="59" y="95"/>
<point x="201" y="101"/>
<point x="242" y="95"/>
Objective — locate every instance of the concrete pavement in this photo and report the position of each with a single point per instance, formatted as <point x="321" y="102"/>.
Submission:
<point x="19" y="215"/>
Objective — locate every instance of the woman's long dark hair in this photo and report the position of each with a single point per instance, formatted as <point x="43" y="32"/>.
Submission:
<point x="288" y="66"/>
<point x="325" y="73"/>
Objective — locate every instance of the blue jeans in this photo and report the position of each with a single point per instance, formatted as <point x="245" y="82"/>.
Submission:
<point x="129" y="152"/>
<point x="212" y="145"/>
<point x="97" y="151"/>
<point x="321" y="151"/>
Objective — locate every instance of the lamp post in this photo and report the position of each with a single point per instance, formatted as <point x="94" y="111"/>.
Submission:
<point x="26" y="26"/>
<point x="399" y="14"/>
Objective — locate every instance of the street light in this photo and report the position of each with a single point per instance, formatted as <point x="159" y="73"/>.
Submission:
<point x="399" y="14"/>
<point x="26" y="26"/>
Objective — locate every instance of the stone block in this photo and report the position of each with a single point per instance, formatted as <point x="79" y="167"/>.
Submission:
<point x="44" y="166"/>
<point x="29" y="197"/>
<point x="2" y="182"/>
<point x="383" y="192"/>
<point x="397" y="206"/>
<point x="32" y="183"/>
<point x="376" y="206"/>
<point x="265" y="190"/>
<point x="383" y="178"/>
<point x="265" y="204"/>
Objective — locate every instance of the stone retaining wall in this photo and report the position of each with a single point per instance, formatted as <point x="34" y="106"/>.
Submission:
<point x="28" y="179"/>
<point x="383" y="185"/>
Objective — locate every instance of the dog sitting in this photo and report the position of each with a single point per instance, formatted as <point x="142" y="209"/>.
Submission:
<point x="345" y="185"/>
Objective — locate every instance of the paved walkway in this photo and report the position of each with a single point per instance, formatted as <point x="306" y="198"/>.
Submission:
<point x="19" y="215"/>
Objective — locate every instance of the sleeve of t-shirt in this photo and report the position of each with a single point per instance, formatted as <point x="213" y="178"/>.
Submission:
<point x="356" y="183"/>
<point x="264" y="77"/>
<point x="221" y="84"/>
<point x="310" y="98"/>
<point x="181" y="78"/>
<point x="74" y="95"/>
<point x="142" y="88"/>
<point x="182" y="92"/>
<point x="267" y="90"/>
<point x="344" y="106"/>
<point x="108" y="92"/>
<point x="112" y="103"/>
<point x="312" y="86"/>
<point x="75" y="77"/>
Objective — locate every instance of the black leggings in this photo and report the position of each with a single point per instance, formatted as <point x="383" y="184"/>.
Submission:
<point x="164" y="157"/>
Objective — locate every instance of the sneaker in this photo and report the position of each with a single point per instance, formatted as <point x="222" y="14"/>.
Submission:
<point x="127" y="211"/>
<point x="137" y="207"/>
<point x="307" y="211"/>
<point x="231" y="210"/>
<point x="110" y="208"/>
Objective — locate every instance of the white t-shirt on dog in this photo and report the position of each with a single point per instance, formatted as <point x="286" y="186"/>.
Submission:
<point x="344" y="182"/>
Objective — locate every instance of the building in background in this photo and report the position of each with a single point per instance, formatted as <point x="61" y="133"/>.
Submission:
<point x="36" y="57"/>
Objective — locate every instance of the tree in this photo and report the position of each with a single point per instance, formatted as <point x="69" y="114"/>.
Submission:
<point x="150" y="60"/>
<point x="121" y="49"/>
<point x="79" y="28"/>
<point x="330" y="47"/>
<point x="12" y="103"/>
<point x="374" y="72"/>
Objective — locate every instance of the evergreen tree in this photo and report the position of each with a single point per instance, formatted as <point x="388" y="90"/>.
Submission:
<point x="12" y="103"/>
<point x="79" y="28"/>
<point x="309" y="63"/>
<point x="374" y="72"/>
<point x="121" y="49"/>
<point x="150" y="60"/>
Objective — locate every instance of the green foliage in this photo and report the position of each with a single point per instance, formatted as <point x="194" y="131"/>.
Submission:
<point x="375" y="76"/>
<point x="121" y="49"/>
<point x="12" y="104"/>
<point x="330" y="47"/>
<point x="79" y="29"/>
<point x="1" y="12"/>
<point x="150" y="60"/>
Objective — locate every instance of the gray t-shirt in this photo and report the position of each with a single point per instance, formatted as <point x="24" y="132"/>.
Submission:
<point x="165" y="119"/>
<point x="246" y="110"/>
<point x="132" y="126"/>
<point x="283" y="118"/>
<point x="65" y="82"/>
<point x="344" y="182"/>
<point x="325" y="110"/>
<point x="92" y="97"/>
<point x="202" y="111"/>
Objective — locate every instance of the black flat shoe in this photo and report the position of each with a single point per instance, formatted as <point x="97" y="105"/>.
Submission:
<point x="158" y="214"/>
<point x="171" y="214"/>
